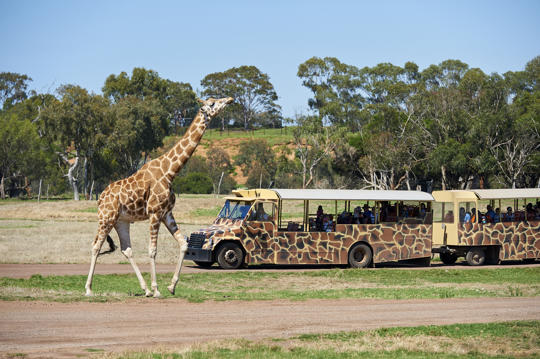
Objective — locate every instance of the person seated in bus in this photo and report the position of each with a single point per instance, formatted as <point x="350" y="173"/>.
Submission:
<point x="462" y="214"/>
<point x="368" y="215"/>
<point x="327" y="223"/>
<point x="497" y="216"/>
<point x="509" y="216"/>
<point x="357" y="216"/>
<point x="422" y="212"/>
<point x="319" y="218"/>
<point x="259" y="214"/>
<point x="467" y="217"/>
<point x="490" y="214"/>
<point x="405" y="211"/>
<point x="449" y="217"/>
<point x="530" y="212"/>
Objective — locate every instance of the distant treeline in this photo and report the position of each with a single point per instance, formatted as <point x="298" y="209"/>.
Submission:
<point x="383" y="127"/>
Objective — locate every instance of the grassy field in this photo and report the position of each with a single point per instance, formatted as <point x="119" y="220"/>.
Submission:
<point x="324" y="284"/>
<point x="62" y="231"/>
<point x="518" y="339"/>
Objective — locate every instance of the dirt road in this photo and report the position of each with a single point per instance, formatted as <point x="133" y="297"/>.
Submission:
<point x="27" y="270"/>
<point x="43" y="329"/>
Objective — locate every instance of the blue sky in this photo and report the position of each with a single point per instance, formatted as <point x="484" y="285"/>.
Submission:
<point x="59" y="42"/>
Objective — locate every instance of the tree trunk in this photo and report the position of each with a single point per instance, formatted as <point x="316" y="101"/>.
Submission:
<point x="91" y="190"/>
<point x="72" y="180"/>
<point x="2" y="188"/>
<point x="443" y="177"/>
<point x="39" y="192"/>
<point x="219" y="184"/>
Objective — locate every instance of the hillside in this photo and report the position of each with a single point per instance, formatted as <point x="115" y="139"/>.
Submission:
<point x="230" y="141"/>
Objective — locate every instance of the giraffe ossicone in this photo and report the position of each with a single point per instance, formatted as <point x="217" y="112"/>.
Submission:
<point x="147" y="194"/>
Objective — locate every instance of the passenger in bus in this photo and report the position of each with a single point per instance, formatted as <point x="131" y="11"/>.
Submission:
<point x="327" y="223"/>
<point x="368" y="215"/>
<point x="490" y="214"/>
<point x="467" y="217"/>
<point x="345" y="218"/>
<point x="497" y="216"/>
<point x="509" y="216"/>
<point x="260" y="214"/>
<point x="357" y="216"/>
<point x="319" y="218"/>
<point x="423" y="211"/>
<point x="462" y="215"/>
<point x="473" y="215"/>
<point x="531" y="213"/>
<point x="449" y="217"/>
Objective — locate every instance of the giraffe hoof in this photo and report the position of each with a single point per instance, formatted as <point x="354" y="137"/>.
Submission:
<point x="157" y="294"/>
<point x="88" y="293"/>
<point x="171" y="289"/>
<point x="148" y="293"/>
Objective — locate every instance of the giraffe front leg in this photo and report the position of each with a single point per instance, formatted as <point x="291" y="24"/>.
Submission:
<point x="152" y="251"/>
<point x="171" y="225"/>
<point x="103" y="232"/>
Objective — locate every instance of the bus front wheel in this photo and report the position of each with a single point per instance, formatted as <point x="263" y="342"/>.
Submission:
<point x="476" y="256"/>
<point x="360" y="256"/>
<point x="230" y="256"/>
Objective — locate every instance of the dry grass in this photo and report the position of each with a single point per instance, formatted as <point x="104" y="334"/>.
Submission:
<point x="63" y="231"/>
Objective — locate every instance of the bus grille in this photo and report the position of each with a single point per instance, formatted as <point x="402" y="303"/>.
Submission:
<point x="196" y="240"/>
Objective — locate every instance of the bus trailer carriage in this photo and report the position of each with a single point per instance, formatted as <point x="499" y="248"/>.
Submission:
<point x="281" y="226"/>
<point x="508" y="228"/>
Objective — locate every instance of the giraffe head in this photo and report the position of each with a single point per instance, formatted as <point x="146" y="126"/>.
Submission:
<point x="211" y="107"/>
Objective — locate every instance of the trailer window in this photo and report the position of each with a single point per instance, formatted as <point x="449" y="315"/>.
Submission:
<point x="443" y="212"/>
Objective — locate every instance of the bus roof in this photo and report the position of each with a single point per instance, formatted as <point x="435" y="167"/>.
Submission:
<point x="505" y="193"/>
<point x="330" y="194"/>
<point x="353" y="195"/>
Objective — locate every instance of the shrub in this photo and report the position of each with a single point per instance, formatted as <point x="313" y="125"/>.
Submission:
<point x="193" y="182"/>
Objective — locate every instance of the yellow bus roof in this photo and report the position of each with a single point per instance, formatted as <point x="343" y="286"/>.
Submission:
<point x="473" y="194"/>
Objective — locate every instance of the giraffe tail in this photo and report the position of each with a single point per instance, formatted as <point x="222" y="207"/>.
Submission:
<point x="112" y="246"/>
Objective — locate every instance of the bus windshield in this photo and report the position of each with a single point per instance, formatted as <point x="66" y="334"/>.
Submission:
<point x="235" y="209"/>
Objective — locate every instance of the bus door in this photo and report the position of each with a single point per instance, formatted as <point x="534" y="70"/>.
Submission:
<point x="445" y="223"/>
<point x="260" y="231"/>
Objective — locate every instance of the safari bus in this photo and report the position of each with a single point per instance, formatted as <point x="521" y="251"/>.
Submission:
<point x="306" y="226"/>
<point x="486" y="225"/>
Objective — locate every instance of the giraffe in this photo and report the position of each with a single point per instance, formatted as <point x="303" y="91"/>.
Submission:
<point x="147" y="195"/>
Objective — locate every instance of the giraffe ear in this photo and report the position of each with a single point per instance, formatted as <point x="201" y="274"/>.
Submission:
<point x="201" y="101"/>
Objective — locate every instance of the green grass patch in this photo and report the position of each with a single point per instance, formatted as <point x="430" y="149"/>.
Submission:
<point x="493" y="340"/>
<point x="206" y="212"/>
<point x="274" y="136"/>
<point x="299" y="285"/>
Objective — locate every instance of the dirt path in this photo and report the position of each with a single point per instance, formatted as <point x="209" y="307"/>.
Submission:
<point x="27" y="270"/>
<point x="43" y="329"/>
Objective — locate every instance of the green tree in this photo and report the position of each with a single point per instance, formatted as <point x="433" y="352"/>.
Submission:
<point x="139" y="128"/>
<point x="193" y="182"/>
<point x="254" y="94"/>
<point x="79" y="124"/>
<point x="178" y="99"/>
<point x="337" y="90"/>
<point x="220" y="168"/>
<point x="13" y="88"/>
<point x="257" y="161"/>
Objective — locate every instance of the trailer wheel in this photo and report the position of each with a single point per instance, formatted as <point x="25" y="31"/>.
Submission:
<point x="204" y="264"/>
<point x="230" y="256"/>
<point x="360" y="256"/>
<point x="476" y="256"/>
<point x="448" y="258"/>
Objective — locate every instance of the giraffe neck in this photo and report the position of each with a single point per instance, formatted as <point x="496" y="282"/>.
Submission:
<point x="182" y="151"/>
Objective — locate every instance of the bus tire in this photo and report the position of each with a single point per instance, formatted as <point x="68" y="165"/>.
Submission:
<point x="230" y="256"/>
<point x="360" y="256"/>
<point x="476" y="256"/>
<point x="448" y="258"/>
<point x="204" y="264"/>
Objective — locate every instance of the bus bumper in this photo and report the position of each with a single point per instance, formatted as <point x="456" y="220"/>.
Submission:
<point x="198" y="254"/>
